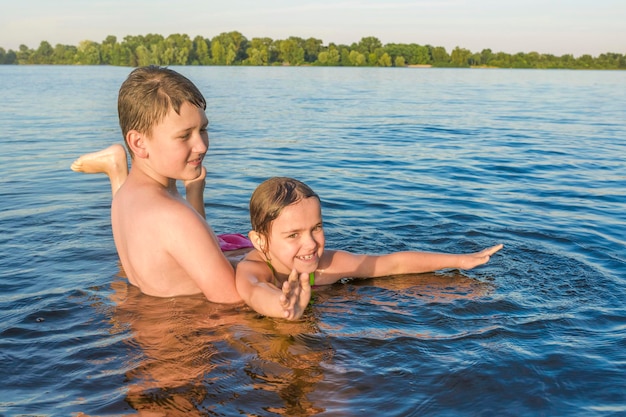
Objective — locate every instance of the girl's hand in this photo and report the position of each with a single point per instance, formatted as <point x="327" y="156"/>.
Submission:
<point x="472" y="260"/>
<point x="296" y="295"/>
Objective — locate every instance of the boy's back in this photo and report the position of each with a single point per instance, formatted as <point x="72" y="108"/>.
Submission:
<point x="165" y="246"/>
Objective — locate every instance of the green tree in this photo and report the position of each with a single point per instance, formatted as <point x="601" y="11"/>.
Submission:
<point x="10" y="58"/>
<point x="64" y="54"/>
<point x="333" y="55"/>
<point x="145" y="50"/>
<point x="4" y="56"/>
<point x="322" y="58"/>
<point x="230" y="48"/>
<point x="88" y="53"/>
<point x="422" y="55"/>
<point x="501" y="60"/>
<point x="440" y="56"/>
<point x="368" y="45"/>
<point x="413" y="54"/>
<point x="485" y="57"/>
<point x="159" y="54"/>
<point x="43" y="54"/>
<point x="519" y="61"/>
<point x="273" y="52"/>
<point x="144" y="57"/>
<point x="384" y="60"/>
<point x="372" y="59"/>
<point x="218" y="52"/>
<point x="312" y="47"/>
<point x="344" y="53"/>
<point x="200" y="54"/>
<point x="23" y="55"/>
<point x="460" y="57"/>
<point x="107" y="50"/>
<point x="536" y="60"/>
<point x="609" y="60"/>
<point x="178" y="49"/>
<point x="357" y="59"/>
<point x="567" y="61"/>
<point x="291" y="52"/>
<point x="258" y="51"/>
<point x="256" y="57"/>
<point x="329" y="57"/>
<point x="400" y="53"/>
<point x="474" y="60"/>
<point x="129" y="49"/>
<point x="124" y="55"/>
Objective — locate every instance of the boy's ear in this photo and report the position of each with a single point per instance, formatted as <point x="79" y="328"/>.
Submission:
<point x="257" y="240"/>
<point x="137" y="143"/>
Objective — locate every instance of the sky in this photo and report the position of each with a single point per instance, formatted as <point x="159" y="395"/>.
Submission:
<point x="555" y="27"/>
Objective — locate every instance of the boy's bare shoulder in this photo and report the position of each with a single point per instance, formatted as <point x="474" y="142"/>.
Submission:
<point x="175" y="215"/>
<point x="141" y="208"/>
<point x="149" y="199"/>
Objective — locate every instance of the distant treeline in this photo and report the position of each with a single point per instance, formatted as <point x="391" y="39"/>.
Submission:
<point x="233" y="48"/>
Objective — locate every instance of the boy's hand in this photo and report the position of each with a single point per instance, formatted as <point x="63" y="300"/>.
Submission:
<point x="472" y="260"/>
<point x="194" y="192"/>
<point x="197" y="184"/>
<point x="296" y="295"/>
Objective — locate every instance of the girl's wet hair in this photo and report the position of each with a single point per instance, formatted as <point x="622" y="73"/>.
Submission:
<point x="147" y="95"/>
<point x="271" y="197"/>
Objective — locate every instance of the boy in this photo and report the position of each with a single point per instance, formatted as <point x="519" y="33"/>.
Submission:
<point x="164" y="243"/>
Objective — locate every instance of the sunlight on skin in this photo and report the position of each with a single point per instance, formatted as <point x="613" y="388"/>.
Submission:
<point x="111" y="161"/>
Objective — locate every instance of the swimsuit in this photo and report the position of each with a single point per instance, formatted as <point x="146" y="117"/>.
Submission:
<point x="233" y="241"/>
<point x="311" y="275"/>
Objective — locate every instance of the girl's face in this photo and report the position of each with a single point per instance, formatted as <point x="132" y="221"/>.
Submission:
<point x="297" y="237"/>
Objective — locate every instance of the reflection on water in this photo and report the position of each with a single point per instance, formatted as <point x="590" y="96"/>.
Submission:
<point x="186" y="356"/>
<point x="191" y="356"/>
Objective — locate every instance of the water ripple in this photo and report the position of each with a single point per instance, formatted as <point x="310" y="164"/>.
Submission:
<point x="404" y="159"/>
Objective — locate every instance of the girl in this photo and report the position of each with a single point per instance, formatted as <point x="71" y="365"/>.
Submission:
<point x="275" y="279"/>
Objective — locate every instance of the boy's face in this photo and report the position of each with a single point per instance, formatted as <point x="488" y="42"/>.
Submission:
<point x="177" y="145"/>
<point x="297" y="237"/>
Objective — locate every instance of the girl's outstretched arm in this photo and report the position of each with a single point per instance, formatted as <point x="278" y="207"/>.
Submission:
<point x="340" y="264"/>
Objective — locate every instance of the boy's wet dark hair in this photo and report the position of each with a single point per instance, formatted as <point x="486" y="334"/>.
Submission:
<point x="147" y="95"/>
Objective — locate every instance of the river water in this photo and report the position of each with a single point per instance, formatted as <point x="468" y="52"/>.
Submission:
<point x="447" y="160"/>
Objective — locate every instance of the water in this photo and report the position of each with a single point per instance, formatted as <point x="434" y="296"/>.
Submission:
<point x="440" y="159"/>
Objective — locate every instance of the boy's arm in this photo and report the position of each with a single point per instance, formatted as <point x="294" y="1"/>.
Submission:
<point x="342" y="264"/>
<point x="194" y="193"/>
<point x="192" y="243"/>
<point x="259" y="293"/>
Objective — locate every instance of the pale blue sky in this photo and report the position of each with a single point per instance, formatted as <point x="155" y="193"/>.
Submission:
<point x="547" y="26"/>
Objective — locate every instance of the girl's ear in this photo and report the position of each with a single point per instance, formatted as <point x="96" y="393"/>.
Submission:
<point x="137" y="143"/>
<point x="258" y="241"/>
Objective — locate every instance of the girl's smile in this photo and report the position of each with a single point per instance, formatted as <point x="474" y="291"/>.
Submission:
<point x="297" y="237"/>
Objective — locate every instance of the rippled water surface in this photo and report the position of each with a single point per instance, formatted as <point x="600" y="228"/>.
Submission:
<point x="424" y="159"/>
